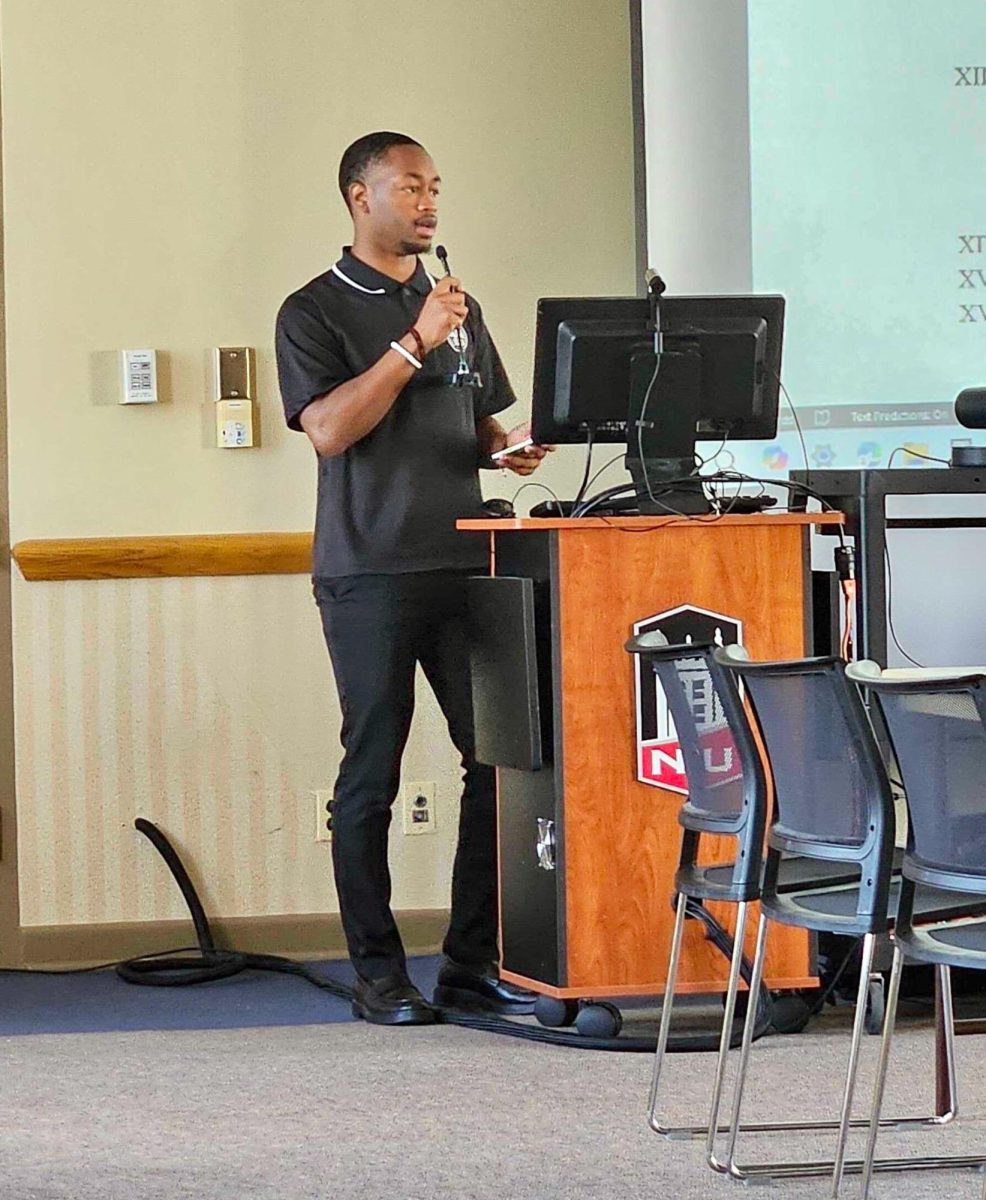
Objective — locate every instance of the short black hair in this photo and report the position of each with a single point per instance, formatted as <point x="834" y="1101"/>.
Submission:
<point x="363" y="152"/>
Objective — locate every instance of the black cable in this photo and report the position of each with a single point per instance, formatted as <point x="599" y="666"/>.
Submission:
<point x="791" y="485"/>
<point x="185" y="885"/>
<point x="600" y="500"/>
<point x="667" y="487"/>
<point x="680" y="1044"/>
<point x="610" y="493"/>
<point x="211" y="964"/>
<point x="646" y="401"/>
<point x="722" y="940"/>
<point x="605" y="467"/>
<point x="914" y="454"/>
<point x="702" y="462"/>
<point x="543" y="486"/>
<point x="886" y="555"/>
<point x="641" y="424"/>
<point x="168" y="971"/>
<point x="590" y="437"/>
<point x="734" y="499"/>
<point x="794" y="485"/>
<point x="106" y="966"/>
<point x="797" y="422"/>
<point x="727" y="476"/>
<point x="890" y="608"/>
<point x="830" y="987"/>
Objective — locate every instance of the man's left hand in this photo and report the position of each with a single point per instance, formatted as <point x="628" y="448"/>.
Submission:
<point x="525" y="461"/>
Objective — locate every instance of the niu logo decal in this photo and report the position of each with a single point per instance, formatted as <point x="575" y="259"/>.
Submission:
<point x="660" y="761"/>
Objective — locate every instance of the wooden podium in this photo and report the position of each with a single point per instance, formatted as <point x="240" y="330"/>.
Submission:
<point x="587" y="851"/>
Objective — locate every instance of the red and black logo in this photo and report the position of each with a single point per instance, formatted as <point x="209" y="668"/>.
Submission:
<point x="659" y="759"/>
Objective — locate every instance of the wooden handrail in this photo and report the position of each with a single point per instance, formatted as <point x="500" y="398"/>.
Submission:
<point x="261" y="553"/>
<point x="165" y="557"/>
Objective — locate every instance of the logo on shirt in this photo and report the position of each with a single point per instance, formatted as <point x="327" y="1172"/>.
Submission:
<point x="458" y="339"/>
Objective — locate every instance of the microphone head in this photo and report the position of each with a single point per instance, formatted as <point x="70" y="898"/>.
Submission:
<point x="970" y="408"/>
<point x="442" y="255"/>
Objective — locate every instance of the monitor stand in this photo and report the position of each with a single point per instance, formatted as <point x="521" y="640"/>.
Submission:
<point x="661" y="450"/>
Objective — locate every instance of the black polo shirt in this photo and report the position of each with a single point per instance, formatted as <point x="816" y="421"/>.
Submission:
<point x="389" y="504"/>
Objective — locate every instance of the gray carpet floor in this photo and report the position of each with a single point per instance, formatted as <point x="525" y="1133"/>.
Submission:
<point x="352" y="1111"/>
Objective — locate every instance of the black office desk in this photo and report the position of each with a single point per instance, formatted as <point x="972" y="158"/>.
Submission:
<point x="862" y="496"/>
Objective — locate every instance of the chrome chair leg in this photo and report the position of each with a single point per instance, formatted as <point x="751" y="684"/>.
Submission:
<point x="756" y="979"/>
<point x="945" y="1064"/>
<point x="662" y="1033"/>
<point x="729" y="1011"/>
<point x="739" y="938"/>
<point x="946" y="1019"/>
<point x="830" y="1167"/>
<point x="945" y="1034"/>
<point x="859" y="1019"/>
<point x="889" y="1020"/>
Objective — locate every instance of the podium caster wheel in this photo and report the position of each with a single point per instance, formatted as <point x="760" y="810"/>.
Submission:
<point x="742" y="1001"/>
<point x="790" y="1013"/>
<point x="599" y="1020"/>
<point x="555" y="1013"/>
<point x="875" y="1006"/>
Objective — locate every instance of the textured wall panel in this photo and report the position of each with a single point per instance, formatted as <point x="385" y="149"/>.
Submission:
<point x="207" y="706"/>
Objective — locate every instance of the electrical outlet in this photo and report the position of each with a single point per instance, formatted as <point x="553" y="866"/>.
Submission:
<point x="323" y="814"/>
<point x="419" y="807"/>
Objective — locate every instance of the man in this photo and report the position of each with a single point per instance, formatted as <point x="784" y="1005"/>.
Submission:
<point x="372" y="356"/>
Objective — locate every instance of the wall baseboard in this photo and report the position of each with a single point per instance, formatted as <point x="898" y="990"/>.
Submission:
<point x="301" y="936"/>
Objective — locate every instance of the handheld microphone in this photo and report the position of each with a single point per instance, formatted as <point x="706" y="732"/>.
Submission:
<point x="462" y="376"/>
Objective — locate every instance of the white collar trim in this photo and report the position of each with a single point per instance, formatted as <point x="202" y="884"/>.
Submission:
<point x="358" y="286"/>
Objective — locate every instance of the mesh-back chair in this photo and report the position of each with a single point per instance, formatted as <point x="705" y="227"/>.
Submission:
<point x="832" y="804"/>
<point x="937" y="726"/>
<point x="727" y="796"/>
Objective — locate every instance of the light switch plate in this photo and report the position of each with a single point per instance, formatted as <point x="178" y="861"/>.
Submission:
<point x="234" y="373"/>
<point x="139" y="368"/>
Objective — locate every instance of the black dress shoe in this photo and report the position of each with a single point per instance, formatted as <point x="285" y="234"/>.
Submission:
<point x="392" y="1000"/>
<point x="480" y="989"/>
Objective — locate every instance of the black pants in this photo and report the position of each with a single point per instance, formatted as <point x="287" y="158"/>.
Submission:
<point x="377" y="628"/>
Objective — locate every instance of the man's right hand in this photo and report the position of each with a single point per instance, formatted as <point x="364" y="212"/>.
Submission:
<point x="444" y="310"/>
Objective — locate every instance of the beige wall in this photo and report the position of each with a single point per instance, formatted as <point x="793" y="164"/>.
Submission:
<point x="206" y="706"/>
<point x="169" y="177"/>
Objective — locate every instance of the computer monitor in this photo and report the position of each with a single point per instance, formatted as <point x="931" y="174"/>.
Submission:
<point x="718" y="376"/>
